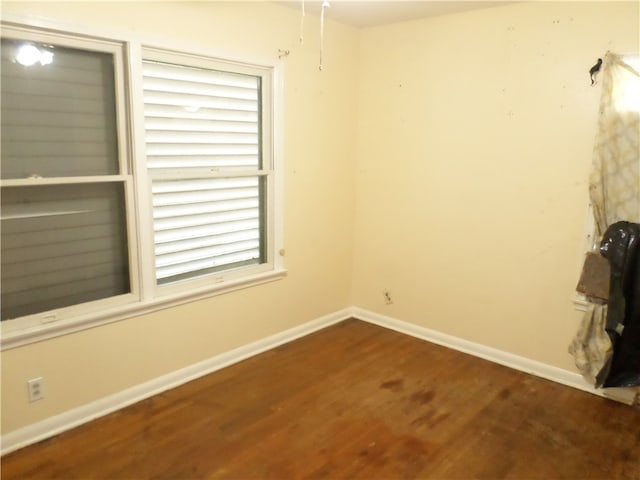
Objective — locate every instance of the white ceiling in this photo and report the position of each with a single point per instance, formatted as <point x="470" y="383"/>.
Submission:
<point x="371" y="13"/>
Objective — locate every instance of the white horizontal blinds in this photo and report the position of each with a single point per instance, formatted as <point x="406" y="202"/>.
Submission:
<point x="58" y="119"/>
<point x="65" y="242"/>
<point x="203" y="149"/>
<point x="206" y="225"/>
<point x="196" y="117"/>
<point x="62" y="245"/>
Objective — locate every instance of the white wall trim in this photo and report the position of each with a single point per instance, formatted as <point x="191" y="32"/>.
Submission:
<point x="527" y="365"/>
<point x="73" y="418"/>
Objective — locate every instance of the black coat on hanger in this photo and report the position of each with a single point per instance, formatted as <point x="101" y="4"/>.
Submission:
<point x="621" y="247"/>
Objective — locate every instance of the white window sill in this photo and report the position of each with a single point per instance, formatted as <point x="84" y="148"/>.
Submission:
<point x="13" y="336"/>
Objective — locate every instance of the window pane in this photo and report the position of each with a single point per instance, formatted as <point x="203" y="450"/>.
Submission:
<point x="58" y="115"/>
<point x="62" y="245"/>
<point x="207" y="225"/>
<point x="199" y="118"/>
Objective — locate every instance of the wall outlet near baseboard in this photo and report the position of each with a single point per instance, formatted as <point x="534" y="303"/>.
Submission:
<point x="35" y="388"/>
<point x="387" y="297"/>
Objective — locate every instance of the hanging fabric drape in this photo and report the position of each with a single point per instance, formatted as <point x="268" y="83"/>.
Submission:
<point x="614" y="185"/>
<point x="614" y="189"/>
<point x="621" y="247"/>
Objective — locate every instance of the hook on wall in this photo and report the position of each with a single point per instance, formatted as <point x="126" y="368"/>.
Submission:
<point x="283" y="53"/>
<point x="595" y="69"/>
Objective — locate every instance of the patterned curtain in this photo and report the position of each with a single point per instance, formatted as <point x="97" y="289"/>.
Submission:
<point x="614" y="189"/>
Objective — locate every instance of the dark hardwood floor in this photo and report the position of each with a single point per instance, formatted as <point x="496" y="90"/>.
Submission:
<point x="351" y="401"/>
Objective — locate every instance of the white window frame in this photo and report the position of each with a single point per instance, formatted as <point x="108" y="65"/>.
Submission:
<point x="124" y="176"/>
<point x="146" y="296"/>
<point x="266" y="171"/>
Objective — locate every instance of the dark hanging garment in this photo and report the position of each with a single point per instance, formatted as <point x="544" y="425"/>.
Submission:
<point x="621" y="247"/>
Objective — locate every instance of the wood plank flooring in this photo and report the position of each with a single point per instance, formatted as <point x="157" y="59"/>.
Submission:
<point x="353" y="401"/>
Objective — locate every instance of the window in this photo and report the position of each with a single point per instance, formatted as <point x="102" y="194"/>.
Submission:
<point x="209" y="168"/>
<point x="64" y="177"/>
<point x="92" y="231"/>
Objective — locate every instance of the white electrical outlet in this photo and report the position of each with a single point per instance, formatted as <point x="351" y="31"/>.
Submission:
<point x="35" y="387"/>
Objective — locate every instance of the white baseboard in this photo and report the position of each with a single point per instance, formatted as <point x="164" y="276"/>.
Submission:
<point x="72" y="418"/>
<point x="539" y="369"/>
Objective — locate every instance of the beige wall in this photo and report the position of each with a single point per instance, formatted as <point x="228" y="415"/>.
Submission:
<point x="319" y="148"/>
<point x="475" y="137"/>
<point x="444" y="159"/>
